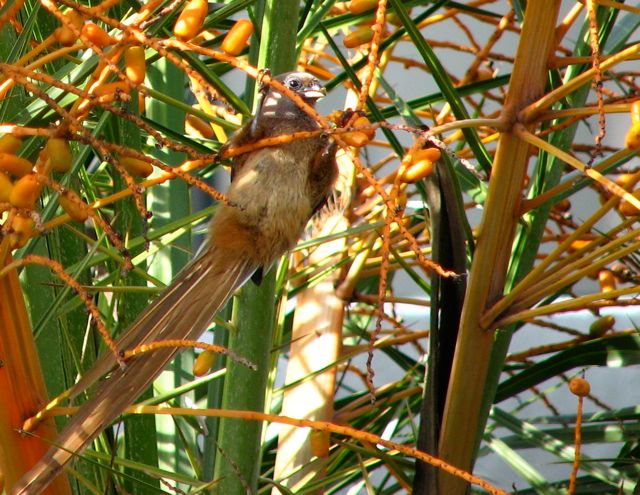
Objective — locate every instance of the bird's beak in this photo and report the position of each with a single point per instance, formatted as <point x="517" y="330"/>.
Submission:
<point x="314" y="92"/>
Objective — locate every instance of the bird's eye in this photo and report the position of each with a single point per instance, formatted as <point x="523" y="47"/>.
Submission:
<point x="294" y="83"/>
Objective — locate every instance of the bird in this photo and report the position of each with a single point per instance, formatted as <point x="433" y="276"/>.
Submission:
<point x="274" y="191"/>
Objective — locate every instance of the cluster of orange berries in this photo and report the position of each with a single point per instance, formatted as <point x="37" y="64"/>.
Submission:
<point x="364" y="34"/>
<point x="191" y="20"/>
<point x="21" y="184"/>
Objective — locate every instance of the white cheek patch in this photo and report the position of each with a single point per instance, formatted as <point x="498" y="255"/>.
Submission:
<point x="269" y="107"/>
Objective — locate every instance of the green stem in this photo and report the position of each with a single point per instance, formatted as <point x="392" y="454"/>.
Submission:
<point x="237" y="467"/>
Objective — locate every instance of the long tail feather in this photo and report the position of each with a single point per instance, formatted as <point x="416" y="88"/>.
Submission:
<point x="182" y="311"/>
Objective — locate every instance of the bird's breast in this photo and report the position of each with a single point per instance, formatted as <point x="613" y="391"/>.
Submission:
<point x="270" y="199"/>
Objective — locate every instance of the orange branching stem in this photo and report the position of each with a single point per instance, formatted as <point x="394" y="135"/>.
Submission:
<point x="185" y="167"/>
<point x="578" y="446"/>
<point x="11" y="12"/>
<point x="163" y="344"/>
<point x="597" y="76"/>
<point x="372" y="61"/>
<point x="113" y="236"/>
<point x="364" y="436"/>
<point x="82" y="292"/>
<point x="87" y="136"/>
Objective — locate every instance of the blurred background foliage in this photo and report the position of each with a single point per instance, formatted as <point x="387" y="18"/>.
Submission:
<point x="485" y="205"/>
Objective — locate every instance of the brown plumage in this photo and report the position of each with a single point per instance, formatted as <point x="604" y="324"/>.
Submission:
<point x="273" y="193"/>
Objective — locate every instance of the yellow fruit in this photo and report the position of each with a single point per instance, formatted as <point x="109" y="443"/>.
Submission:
<point x="421" y="165"/>
<point x="203" y="363"/>
<point x="15" y="165"/>
<point x="579" y="387"/>
<point x="237" y="37"/>
<point x="562" y="206"/>
<point x="417" y="171"/>
<point x="96" y="35"/>
<point x="363" y="122"/>
<point x="578" y="244"/>
<point x="5" y="188"/>
<point x="360" y="6"/>
<point x="602" y="325"/>
<point x="431" y="154"/>
<point x="25" y="192"/>
<point x="319" y="441"/>
<point x="607" y="281"/>
<point x="64" y="34"/>
<point x="358" y="37"/>
<point x="195" y="125"/>
<point x="135" y="65"/>
<point x="137" y="168"/>
<point x="320" y="71"/>
<point x="22" y="230"/>
<point x="109" y="92"/>
<point x="74" y="206"/>
<point x="191" y="19"/>
<point x="632" y="138"/>
<point x="10" y="144"/>
<point x="357" y="139"/>
<point x="628" y="209"/>
<point x="58" y="155"/>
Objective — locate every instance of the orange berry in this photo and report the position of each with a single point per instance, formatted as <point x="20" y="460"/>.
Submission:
<point x="10" y="144"/>
<point x="358" y="37"/>
<point x="626" y="180"/>
<point x="632" y="138"/>
<point x="357" y="139"/>
<point x="110" y="91"/>
<point x="135" y="65"/>
<point x="196" y="126"/>
<point x="607" y="281"/>
<point x="319" y="441"/>
<point x="15" y="165"/>
<point x="336" y="117"/>
<point x="363" y="122"/>
<point x="64" y="34"/>
<point x="628" y="209"/>
<point x="579" y="387"/>
<point x="417" y="171"/>
<point x="136" y="167"/>
<point x="5" y="187"/>
<point x="237" y="37"/>
<point x="562" y="206"/>
<point x="319" y="70"/>
<point x="96" y="35"/>
<point x="360" y="6"/>
<point x="58" y="155"/>
<point x="421" y="165"/>
<point x="26" y="191"/>
<point x="73" y="206"/>
<point x="601" y="326"/>
<point x="203" y="363"/>
<point x="191" y="19"/>
<point x="431" y="154"/>
<point x="578" y="244"/>
<point x="22" y="230"/>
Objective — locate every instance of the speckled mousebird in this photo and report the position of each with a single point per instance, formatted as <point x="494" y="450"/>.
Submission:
<point x="274" y="192"/>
